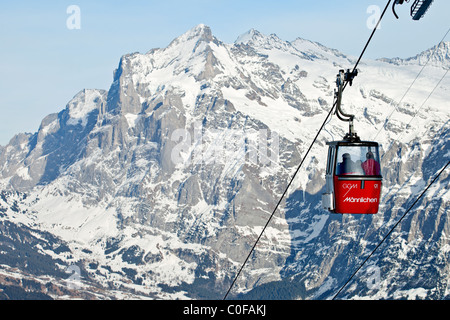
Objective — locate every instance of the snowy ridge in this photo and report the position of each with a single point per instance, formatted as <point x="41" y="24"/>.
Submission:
<point x="437" y="56"/>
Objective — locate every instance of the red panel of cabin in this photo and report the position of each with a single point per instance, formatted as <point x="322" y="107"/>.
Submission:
<point x="359" y="197"/>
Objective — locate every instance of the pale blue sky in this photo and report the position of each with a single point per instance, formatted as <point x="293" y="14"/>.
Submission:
<point x="43" y="64"/>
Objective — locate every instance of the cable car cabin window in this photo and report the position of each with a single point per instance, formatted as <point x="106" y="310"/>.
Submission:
<point x="358" y="161"/>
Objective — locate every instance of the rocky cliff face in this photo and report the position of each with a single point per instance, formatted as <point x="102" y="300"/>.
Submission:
<point x="160" y="186"/>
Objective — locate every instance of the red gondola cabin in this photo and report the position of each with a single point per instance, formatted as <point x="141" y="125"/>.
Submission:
<point x="353" y="177"/>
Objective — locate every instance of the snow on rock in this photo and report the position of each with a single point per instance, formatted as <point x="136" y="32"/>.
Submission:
<point x="82" y="104"/>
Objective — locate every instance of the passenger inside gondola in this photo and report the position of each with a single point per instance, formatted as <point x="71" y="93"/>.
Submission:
<point x="347" y="166"/>
<point x="358" y="161"/>
<point x="371" y="167"/>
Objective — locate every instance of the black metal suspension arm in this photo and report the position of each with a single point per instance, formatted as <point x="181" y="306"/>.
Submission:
<point x="393" y="6"/>
<point x="340" y="81"/>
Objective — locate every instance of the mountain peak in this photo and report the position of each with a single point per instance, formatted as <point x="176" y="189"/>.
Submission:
<point x="250" y="35"/>
<point x="200" y="32"/>
<point x="438" y="55"/>
<point x="258" y="39"/>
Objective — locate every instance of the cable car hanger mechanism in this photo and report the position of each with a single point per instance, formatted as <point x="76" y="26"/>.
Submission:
<point x="341" y="81"/>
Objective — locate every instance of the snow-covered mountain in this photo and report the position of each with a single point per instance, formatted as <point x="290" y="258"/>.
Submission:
<point x="160" y="186"/>
<point x="438" y="56"/>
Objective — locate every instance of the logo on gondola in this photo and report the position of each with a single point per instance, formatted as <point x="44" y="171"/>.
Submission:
<point x="361" y="200"/>
<point x="350" y="185"/>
